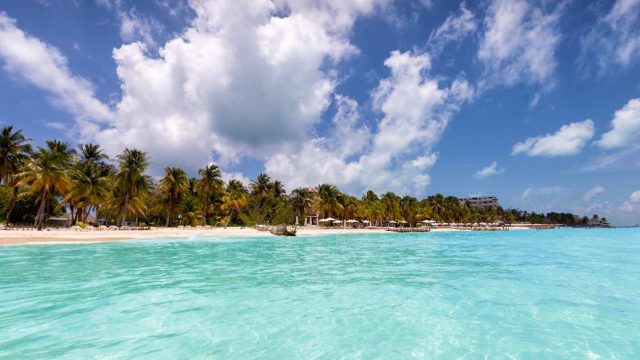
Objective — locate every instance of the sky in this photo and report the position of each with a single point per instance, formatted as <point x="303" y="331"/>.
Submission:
<point x="535" y="102"/>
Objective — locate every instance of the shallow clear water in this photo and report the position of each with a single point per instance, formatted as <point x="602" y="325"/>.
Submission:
<point x="521" y="294"/>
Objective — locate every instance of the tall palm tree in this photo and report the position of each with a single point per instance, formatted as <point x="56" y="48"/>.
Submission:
<point x="63" y="149"/>
<point x="130" y="180"/>
<point x="90" y="176"/>
<point x="261" y="185"/>
<point x="301" y="200"/>
<point x="409" y="209"/>
<point x="234" y="200"/>
<point x="278" y="189"/>
<point x="90" y="188"/>
<point x="350" y="206"/>
<point x="328" y="200"/>
<point x="45" y="173"/>
<point x="390" y="206"/>
<point x="91" y="153"/>
<point x="14" y="153"/>
<point x="174" y="185"/>
<point x="210" y="181"/>
<point x="235" y="186"/>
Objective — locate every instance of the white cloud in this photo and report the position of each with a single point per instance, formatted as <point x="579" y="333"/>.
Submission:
<point x="453" y="29"/>
<point x="549" y="190"/>
<point x="593" y="192"/>
<point x="615" y="39"/>
<point x="242" y="80"/>
<point x="30" y="60"/>
<point x="415" y="109"/>
<point x="488" y="171"/>
<point x="133" y="26"/>
<point x="625" y="127"/>
<point x="519" y="42"/>
<point x="632" y="204"/>
<point x="569" y="140"/>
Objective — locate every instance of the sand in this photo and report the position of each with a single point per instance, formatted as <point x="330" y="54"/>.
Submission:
<point x="8" y="237"/>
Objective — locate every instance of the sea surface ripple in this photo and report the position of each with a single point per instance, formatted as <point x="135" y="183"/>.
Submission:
<point x="570" y="294"/>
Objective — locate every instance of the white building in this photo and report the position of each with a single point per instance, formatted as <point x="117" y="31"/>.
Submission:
<point x="480" y="201"/>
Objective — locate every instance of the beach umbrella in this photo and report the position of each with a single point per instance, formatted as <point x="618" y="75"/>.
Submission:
<point x="337" y="221"/>
<point x="351" y="221"/>
<point x="365" y="221"/>
<point x="404" y="222"/>
<point x="392" y="222"/>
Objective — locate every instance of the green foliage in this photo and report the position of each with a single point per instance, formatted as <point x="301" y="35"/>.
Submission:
<point x="56" y="177"/>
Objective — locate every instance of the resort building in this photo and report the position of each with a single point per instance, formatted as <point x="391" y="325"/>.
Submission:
<point x="480" y="201"/>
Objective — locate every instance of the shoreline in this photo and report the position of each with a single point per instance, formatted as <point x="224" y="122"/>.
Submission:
<point x="54" y="236"/>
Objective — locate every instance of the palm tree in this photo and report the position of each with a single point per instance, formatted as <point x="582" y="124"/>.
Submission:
<point x="63" y="149"/>
<point x="328" y="200"/>
<point x="350" y="206"/>
<point x="45" y="173"/>
<point x="278" y="189"/>
<point x="261" y="185"/>
<point x="301" y="200"/>
<point x="390" y="206"/>
<point x="210" y="181"/>
<point x="235" y="186"/>
<point x="409" y="209"/>
<point x="91" y="153"/>
<point x="130" y="180"/>
<point x="91" y="188"/>
<point x="90" y="177"/>
<point x="14" y="153"/>
<point x="173" y="186"/>
<point x="234" y="200"/>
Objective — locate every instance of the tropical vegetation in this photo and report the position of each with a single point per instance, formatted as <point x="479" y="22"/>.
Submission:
<point x="88" y="187"/>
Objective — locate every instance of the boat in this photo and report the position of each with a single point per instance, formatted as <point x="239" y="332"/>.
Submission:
<point x="408" y="230"/>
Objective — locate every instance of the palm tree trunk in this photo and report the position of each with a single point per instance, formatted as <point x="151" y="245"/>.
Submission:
<point x="168" y="216"/>
<point x="12" y="204"/>
<point x="86" y="214"/>
<point x="39" y="221"/>
<point x="123" y="211"/>
<point x="206" y="209"/>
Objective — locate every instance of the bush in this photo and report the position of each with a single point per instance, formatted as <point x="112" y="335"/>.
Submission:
<point x="82" y="224"/>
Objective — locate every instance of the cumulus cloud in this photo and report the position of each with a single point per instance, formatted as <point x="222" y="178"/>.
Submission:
<point x="414" y="107"/>
<point x="28" y="59"/>
<point x="593" y="192"/>
<point x="615" y="39"/>
<point x="245" y="78"/>
<point x="453" y="29"/>
<point x="633" y="203"/>
<point x="488" y="171"/>
<point x="519" y="42"/>
<point x="625" y="127"/>
<point x="569" y="140"/>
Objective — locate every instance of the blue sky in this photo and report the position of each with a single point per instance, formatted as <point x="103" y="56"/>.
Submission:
<point x="537" y="103"/>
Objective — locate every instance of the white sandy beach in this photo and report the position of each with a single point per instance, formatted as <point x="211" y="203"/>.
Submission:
<point x="60" y="235"/>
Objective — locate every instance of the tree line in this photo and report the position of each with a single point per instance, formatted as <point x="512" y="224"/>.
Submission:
<point x="56" y="179"/>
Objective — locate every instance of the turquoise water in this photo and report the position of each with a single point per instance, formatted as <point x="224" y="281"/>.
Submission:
<point x="521" y="294"/>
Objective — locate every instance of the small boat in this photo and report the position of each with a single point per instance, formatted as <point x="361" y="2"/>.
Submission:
<point x="408" y="230"/>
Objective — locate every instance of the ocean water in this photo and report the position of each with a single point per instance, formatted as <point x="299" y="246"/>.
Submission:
<point x="553" y="294"/>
